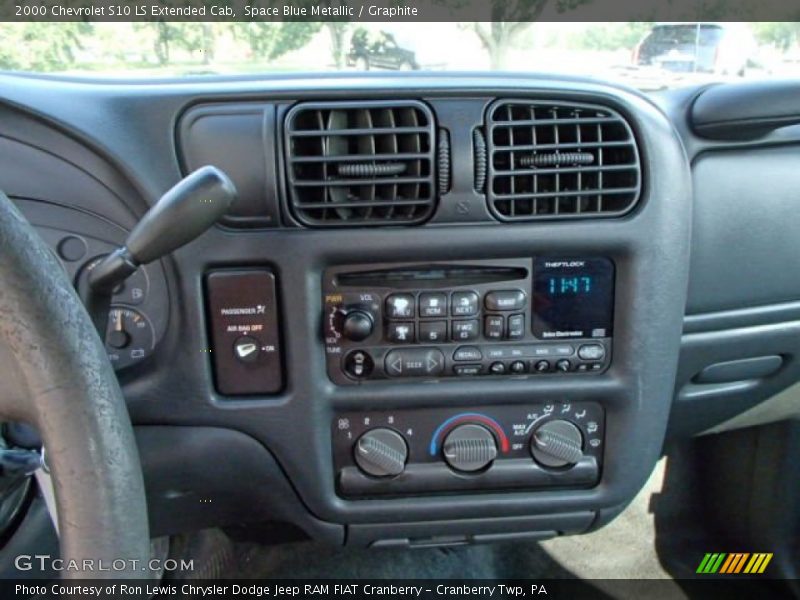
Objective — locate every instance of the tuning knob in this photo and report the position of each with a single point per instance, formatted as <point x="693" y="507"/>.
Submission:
<point x="381" y="452"/>
<point x="557" y="443"/>
<point x="469" y="448"/>
<point x="357" y="325"/>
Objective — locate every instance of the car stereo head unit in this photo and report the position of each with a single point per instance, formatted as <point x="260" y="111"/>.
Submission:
<point x="519" y="317"/>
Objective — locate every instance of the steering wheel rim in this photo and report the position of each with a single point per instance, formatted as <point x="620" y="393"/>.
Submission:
<point x="58" y="378"/>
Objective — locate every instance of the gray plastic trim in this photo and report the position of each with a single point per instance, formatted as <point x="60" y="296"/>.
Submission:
<point x="133" y="126"/>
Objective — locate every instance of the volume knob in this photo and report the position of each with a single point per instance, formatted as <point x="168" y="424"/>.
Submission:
<point x="557" y="443"/>
<point x="357" y="325"/>
<point x="469" y="448"/>
<point x="381" y="452"/>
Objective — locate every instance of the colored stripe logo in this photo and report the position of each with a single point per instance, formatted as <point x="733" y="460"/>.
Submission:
<point x="735" y="562"/>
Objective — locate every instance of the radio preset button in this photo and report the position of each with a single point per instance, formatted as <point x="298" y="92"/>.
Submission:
<point x="494" y="327"/>
<point x="516" y="327"/>
<point x="591" y="352"/>
<point x="433" y="331"/>
<point x="400" y="333"/>
<point x="417" y="362"/>
<point x="468" y="370"/>
<point x="467" y="353"/>
<point x="400" y="306"/>
<point x="432" y="305"/>
<point x="464" y="304"/>
<point x="464" y="331"/>
<point x="505" y="300"/>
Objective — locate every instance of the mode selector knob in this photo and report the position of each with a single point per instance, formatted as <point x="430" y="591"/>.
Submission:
<point x="469" y="447"/>
<point x="557" y="443"/>
<point x="357" y="325"/>
<point x="381" y="452"/>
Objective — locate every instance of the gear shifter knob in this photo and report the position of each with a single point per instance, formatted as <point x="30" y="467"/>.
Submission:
<point x="193" y="205"/>
<point x="184" y="212"/>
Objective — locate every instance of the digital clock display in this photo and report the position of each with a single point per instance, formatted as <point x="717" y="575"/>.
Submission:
<point x="573" y="298"/>
<point x="570" y="286"/>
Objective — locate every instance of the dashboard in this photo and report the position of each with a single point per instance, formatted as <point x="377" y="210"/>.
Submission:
<point x="443" y="309"/>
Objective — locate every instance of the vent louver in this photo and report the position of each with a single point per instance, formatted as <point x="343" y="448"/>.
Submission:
<point x="556" y="160"/>
<point x="360" y="163"/>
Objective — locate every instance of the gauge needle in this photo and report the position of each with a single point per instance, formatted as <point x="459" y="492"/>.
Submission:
<point x="119" y="321"/>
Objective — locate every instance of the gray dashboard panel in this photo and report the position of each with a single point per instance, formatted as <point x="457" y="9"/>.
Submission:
<point x="746" y="222"/>
<point x="133" y="126"/>
<point x="743" y="294"/>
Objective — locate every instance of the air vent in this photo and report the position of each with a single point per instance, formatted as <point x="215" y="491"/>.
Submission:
<point x="552" y="160"/>
<point x="360" y="163"/>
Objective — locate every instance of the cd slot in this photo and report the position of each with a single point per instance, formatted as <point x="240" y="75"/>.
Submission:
<point x="433" y="275"/>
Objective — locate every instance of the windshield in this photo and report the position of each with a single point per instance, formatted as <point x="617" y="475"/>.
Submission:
<point x="684" y="34"/>
<point x="645" y="55"/>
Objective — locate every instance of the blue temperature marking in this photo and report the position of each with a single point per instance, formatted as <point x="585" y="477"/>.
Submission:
<point x="450" y="420"/>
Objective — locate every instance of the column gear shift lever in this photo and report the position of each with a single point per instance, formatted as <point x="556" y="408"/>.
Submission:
<point x="184" y="212"/>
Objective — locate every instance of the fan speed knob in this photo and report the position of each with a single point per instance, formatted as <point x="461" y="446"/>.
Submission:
<point x="381" y="452"/>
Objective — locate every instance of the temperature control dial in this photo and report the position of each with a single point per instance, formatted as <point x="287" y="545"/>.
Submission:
<point x="381" y="452"/>
<point x="469" y="448"/>
<point x="129" y="337"/>
<point x="557" y="443"/>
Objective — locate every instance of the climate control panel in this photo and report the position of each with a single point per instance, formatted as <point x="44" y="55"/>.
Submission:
<point x="516" y="317"/>
<point x="425" y="451"/>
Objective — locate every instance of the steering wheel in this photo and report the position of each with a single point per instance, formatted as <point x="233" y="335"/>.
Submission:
<point x="56" y="376"/>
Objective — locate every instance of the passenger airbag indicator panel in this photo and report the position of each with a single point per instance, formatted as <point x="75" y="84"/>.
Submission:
<point x="516" y="317"/>
<point x="243" y="318"/>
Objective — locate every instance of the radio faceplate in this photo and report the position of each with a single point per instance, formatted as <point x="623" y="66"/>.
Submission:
<point x="516" y="317"/>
